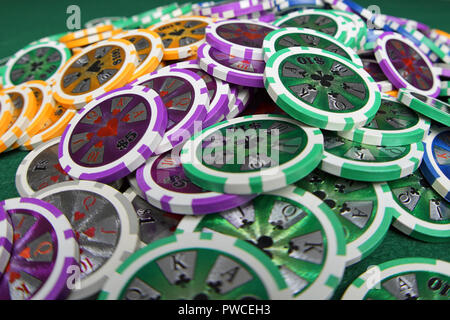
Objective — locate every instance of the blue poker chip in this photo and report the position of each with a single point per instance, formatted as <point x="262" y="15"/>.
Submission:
<point x="436" y="161"/>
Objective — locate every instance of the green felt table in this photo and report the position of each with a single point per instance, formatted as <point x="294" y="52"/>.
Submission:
<point x="24" y="21"/>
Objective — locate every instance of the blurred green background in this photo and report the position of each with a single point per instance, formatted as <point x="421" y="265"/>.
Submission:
<point x="24" y="21"/>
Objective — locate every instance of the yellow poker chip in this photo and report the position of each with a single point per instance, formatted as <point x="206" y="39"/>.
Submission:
<point x="45" y="106"/>
<point x="182" y="36"/>
<point x="97" y="69"/>
<point x="52" y="128"/>
<point x="82" y="42"/>
<point x="85" y="33"/>
<point x="25" y="109"/>
<point x="6" y="112"/>
<point x="149" y="48"/>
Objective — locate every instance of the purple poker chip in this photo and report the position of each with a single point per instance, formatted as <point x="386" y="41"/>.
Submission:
<point x="442" y="69"/>
<point x="262" y="16"/>
<point x="44" y="255"/>
<point x="218" y="92"/>
<point x="113" y="135"/>
<point x="239" y="38"/>
<point x="232" y="9"/>
<point x="249" y="73"/>
<point x="405" y="65"/>
<point x="168" y="188"/>
<point x="185" y="95"/>
<point x="242" y="97"/>
<point x="6" y="239"/>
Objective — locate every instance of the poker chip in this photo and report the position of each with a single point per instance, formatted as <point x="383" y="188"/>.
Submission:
<point x="436" y="165"/>
<point x="104" y="224"/>
<point x="442" y="69"/>
<point x="434" y="109"/>
<point x="239" y="102"/>
<point x="82" y="42"/>
<point x="149" y="48"/>
<point x="300" y="37"/>
<point x="102" y="21"/>
<point x="24" y="110"/>
<point x="218" y="92"/>
<point x="321" y="88"/>
<point x="40" y="61"/>
<point x="394" y="125"/>
<point x="40" y="169"/>
<point x="363" y="162"/>
<point x="6" y="239"/>
<point x="239" y="38"/>
<point x="52" y="128"/>
<point x="232" y="9"/>
<point x="207" y="259"/>
<point x="154" y="224"/>
<point x="182" y="36"/>
<point x="167" y="187"/>
<point x="113" y="134"/>
<point x="402" y="279"/>
<point x="417" y="74"/>
<point x="360" y="207"/>
<point x="85" y="32"/>
<point x="43" y="255"/>
<point x="231" y="69"/>
<point x="262" y="16"/>
<point x="361" y="27"/>
<point x="284" y="225"/>
<point x="208" y="159"/>
<point x="185" y="95"/>
<point x="7" y="110"/>
<point x="97" y="69"/>
<point x="316" y="19"/>
<point x="45" y="105"/>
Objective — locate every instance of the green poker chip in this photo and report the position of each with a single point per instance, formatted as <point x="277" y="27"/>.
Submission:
<point x="321" y="88"/>
<point x="419" y="211"/>
<point x="403" y="279"/>
<point x="363" y="162"/>
<point x="361" y="208"/>
<point x="295" y="229"/>
<point x="393" y="125"/>
<point x="252" y="154"/>
<point x="361" y="27"/>
<point x="434" y="109"/>
<point x="301" y="37"/>
<point x="316" y="19"/>
<point x="196" y="266"/>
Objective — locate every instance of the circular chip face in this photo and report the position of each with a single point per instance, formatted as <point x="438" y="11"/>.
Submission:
<point x="301" y="37"/>
<point x="321" y="88"/>
<point x="405" y="65"/>
<point x="154" y="224"/>
<point x="239" y="38"/>
<point x="40" y="169"/>
<point x="434" y="109"/>
<point x="7" y="111"/>
<point x="24" y="109"/>
<point x="44" y="252"/>
<point x="231" y="69"/>
<point x="419" y="211"/>
<point x="218" y="92"/>
<point x="207" y="261"/>
<point x="253" y="154"/>
<point x="149" y="48"/>
<point x="402" y="279"/>
<point x="295" y="229"/>
<point x="181" y="37"/>
<point x="167" y="187"/>
<point x="360" y="207"/>
<point x="105" y="227"/>
<point x="436" y="161"/>
<point x="185" y="95"/>
<point x="6" y="239"/>
<point x="45" y="105"/>
<point x="393" y="125"/>
<point x="40" y="61"/>
<point x="320" y="20"/>
<point x="363" y="162"/>
<point x="113" y="135"/>
<point x="97" y="69"/>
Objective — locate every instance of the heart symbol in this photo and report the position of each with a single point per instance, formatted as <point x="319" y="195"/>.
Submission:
<point x="13" y="276"/>
<point x="90" y="232"/>
<point x="110" y="129"/>
<point x="78" y="215"/>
